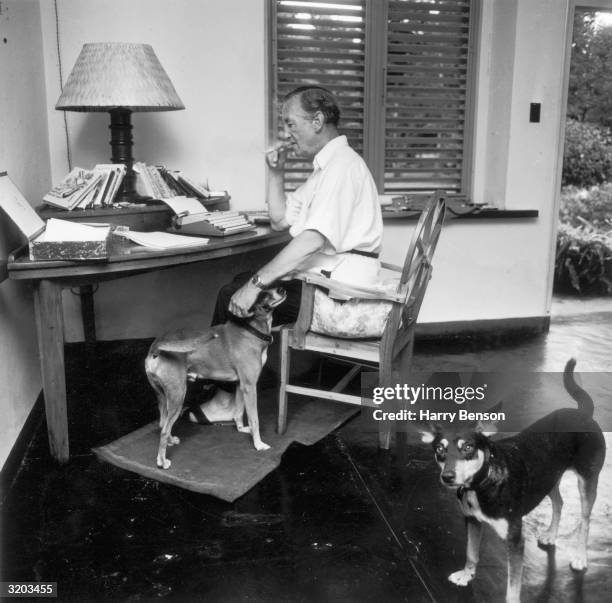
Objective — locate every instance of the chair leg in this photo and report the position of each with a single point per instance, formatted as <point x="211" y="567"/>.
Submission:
<point x="385" y="428"/>
<point x="285" y="352"/>
<point x="384" y="435"/>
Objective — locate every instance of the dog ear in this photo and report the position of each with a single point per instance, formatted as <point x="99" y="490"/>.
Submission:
<point x="428" y="432"/>
<point x="488" y="428"/>
<point x="427" y="437"/>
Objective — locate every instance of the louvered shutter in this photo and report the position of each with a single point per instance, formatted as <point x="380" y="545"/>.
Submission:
<point x="321" y="43"/>
<point x="417" y="103"/>
<point x="426" y="95"/>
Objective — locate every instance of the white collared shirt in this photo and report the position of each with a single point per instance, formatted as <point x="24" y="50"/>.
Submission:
<point x="339" y="200"/>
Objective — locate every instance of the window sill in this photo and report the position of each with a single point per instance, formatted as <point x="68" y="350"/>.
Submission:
<point x="476" y="213"/>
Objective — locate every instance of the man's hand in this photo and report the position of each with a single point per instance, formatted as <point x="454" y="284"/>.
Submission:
<point x="242" y="301"/>
<point x="277" y="156"/>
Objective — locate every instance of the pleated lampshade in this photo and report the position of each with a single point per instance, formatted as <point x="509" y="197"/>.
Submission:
<point x="112" y="75"/>
<point x="119" y="78"/>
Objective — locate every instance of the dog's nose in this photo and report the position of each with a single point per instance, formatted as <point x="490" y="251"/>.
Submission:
<point x="448" y="477"/>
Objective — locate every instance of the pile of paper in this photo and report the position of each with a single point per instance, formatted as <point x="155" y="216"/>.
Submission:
<point x="66" y="231"/>
<point x="161" y="240"/>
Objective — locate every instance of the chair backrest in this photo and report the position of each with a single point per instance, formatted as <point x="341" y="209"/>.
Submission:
<point x="400" y="327"/>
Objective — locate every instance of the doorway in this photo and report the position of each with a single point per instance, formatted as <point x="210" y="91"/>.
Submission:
<point x="583" y="266"/>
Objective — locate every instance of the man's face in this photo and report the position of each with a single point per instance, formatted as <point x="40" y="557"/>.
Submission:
<point x="300" y="128"/>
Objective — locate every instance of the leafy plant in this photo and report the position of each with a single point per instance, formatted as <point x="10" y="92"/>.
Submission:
<point x="583" y="262"/>
<point x="587" y="158"/>
<point x="590" y="87"/>
<point x="593" y="205"/>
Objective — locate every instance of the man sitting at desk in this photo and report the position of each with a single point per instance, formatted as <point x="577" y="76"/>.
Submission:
<point x="334" y="219"/>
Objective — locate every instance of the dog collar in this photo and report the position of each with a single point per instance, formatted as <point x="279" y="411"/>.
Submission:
<point x="247" y="327"/>
<point x="480" y="477"/>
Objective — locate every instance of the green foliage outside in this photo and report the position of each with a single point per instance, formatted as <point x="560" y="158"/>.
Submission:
<point x="590" y="86"/>
<point x="584" y="241"/>
<point x="584" y="244"/>
<point x="587" y="207"/>
<point x="587" y="157"/>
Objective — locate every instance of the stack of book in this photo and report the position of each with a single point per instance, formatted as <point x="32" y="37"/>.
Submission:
<point x="158" y="182"/>
<point x="191" y="187"/>
<point x="150" y="182"/>
<point x="85" y="189"/>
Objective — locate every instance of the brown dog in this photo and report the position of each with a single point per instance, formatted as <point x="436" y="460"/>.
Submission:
<point x="234" y="351"/>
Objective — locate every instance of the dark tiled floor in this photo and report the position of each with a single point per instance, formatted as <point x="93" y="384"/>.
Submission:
<point x="339" y="521"/>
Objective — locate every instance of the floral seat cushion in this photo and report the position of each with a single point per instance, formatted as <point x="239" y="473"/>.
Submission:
<point x="351" y="319"/>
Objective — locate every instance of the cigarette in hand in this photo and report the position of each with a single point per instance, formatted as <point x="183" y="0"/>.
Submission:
<point x="282" y="147"/>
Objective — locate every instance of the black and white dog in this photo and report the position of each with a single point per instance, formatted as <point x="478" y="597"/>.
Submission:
<point x="498" y="482"/>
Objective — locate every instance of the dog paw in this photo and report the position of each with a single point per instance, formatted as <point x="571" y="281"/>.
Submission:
<point x="163" y="463"/>
<point x="243" y="429"/>
<point x="462" y="577"/>
<point x="546" y="539"/>
<point x="579" y="564"/>
<point x="173" y="441"/>
<point x="262" y="446"/>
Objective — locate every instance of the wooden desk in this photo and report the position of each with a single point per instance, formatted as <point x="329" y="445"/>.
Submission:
<point x="49" y="278"/>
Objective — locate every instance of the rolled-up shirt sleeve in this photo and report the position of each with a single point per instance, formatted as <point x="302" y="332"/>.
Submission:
<point x="293" y="206"/>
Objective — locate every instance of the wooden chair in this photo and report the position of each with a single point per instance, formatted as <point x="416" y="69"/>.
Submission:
<point x="392" y="352"/>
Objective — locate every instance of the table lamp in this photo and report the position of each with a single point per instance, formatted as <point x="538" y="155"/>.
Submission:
<point x="119" y="78"/>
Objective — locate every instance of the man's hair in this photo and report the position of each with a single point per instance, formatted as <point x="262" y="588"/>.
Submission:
<point x="317" y="98"/>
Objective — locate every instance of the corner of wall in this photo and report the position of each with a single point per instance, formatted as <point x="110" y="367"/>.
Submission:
<point x="25" y="155"/>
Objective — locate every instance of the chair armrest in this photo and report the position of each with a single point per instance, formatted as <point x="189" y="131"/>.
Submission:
<point x="393" y="267"/>
<point x="341" y="288"/>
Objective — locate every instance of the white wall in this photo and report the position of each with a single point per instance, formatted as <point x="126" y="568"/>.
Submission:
<point x="24" y="155"/>
<point x="214" y="53"/>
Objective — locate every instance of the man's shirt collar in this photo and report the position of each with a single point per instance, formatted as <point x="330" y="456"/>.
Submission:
<point x="322" y="158"/>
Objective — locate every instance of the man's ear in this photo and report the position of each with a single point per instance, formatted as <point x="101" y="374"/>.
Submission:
<point x="318" y="121"/>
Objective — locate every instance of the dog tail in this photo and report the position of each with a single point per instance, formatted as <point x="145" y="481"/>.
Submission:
<point x="175" y="348"/>
<point x="585" y="402"/>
